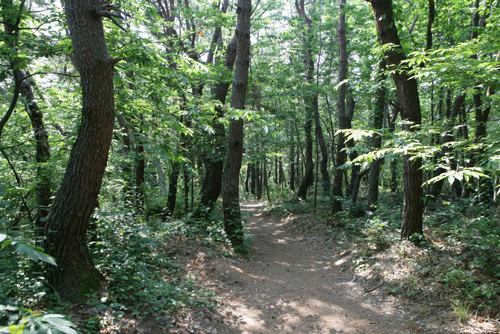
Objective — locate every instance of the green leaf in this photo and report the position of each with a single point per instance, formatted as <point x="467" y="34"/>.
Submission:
<point x="60" y="323"/>
<point x="34" y="254"/>
<point x="102" y="307"/>
<point x="16" y="329"/>
<point x="6" y="243"/>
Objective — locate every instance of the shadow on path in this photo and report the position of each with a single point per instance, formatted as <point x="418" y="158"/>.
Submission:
<point x="287" y="287"/>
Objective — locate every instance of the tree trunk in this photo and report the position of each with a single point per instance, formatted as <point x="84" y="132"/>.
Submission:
<point x="292" y="162"/>
<point x="378" y="117"/>
<point x="126" y="170"/>
<point x="249" y="169"/>
<point x="186" y="189"/>
<point x="481" y="116"/>
<point x="341" y="154"/>
<point x="447" y="137"/>
<point x="140" y="166"/>
<point x="43" y="184"/>
<point x="309" y="100"/>
<point x="172" y="188"/>
<point x="76" y="276"/>
<point x="212" y="182"/>
<point x="355" y="185"/>
<point x="323" y="162"/>
<point x="252" y="181"/>
<point x="258" y="173"/>
<point x="407" y="91"/>
<point x="350" y="143"/>
<point x="230" y="193"/>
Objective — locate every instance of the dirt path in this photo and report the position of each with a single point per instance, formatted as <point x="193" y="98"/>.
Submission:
<point x="290" y="285"/>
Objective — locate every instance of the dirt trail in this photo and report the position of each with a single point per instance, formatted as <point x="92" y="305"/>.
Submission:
<point x="292" y="286"/>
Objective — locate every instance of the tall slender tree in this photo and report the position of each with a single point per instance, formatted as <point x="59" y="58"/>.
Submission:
<point x="231" y="175"/>
<point x="11" y="22"/>
<point x="378" y="117"/>
<point x="309" y="96"/>
<point x="341" y="111"/>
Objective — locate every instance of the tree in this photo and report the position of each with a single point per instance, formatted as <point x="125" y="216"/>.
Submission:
<point x="24" y="87"/>
<point x="231" y="175"/>
<point x="341" y="154"/>
<point x="378" y="117"/>
<point x="212" y="182"/>
<point x="309" y="97"/>
<point x="76" y="275"/>
<point x="407" y="91"/>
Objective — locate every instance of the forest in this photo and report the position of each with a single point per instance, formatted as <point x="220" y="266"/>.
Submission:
<point x="144" y="142"/>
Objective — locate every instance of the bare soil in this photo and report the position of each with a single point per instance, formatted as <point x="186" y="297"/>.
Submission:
<point x="296" y="283"/>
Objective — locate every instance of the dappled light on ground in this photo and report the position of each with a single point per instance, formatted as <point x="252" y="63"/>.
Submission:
<point x="286" y="286"/>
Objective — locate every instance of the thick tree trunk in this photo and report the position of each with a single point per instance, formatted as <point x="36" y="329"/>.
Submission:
<point x="407" y="91"/>
<point x="76" y="276"/>
<point x="230" y="193"/>
<point x="212" y="182"/>
<point x="378" y="117"/>
<point x="341" y="154"/>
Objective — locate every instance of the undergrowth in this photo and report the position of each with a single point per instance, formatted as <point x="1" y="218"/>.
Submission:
<point x="142" y="278"/>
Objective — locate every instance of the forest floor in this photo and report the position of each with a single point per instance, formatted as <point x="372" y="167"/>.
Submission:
<point x="296" y="282"/>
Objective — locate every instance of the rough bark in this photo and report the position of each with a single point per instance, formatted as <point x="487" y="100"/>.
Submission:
<point x="341" y="112"/>
<point x="378" y="117"/>
<point x="309" y="99"/>
<point x="212" y="182"/>
<point x="25" y="89"/>
<point x="230" y="193"/>
<point x="76" y="275"/>
<point x="407" y="91"/>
